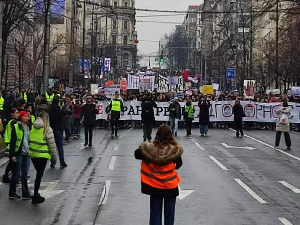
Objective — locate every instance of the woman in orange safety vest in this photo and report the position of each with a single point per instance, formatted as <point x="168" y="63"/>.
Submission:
<point x="160" y="160"/>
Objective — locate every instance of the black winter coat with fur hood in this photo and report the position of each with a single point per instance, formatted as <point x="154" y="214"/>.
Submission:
<point x="150" y="153"/>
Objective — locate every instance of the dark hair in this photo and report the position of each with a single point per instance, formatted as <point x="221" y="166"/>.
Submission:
<point x="13" y="110"/>
<point x="285" y="103"/>
<point x="164" y="136"/>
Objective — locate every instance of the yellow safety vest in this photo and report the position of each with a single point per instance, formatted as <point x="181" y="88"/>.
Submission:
<point x="25" y="97"/>
<point x="115" y="106"/>
<point x="19" y="134"/>
<point x="49" y="98"/>
<point x="1" y="103"/>
<point x="38" y="147"/>
<point x="190" y="111"/>
<point x="7" y="133"/>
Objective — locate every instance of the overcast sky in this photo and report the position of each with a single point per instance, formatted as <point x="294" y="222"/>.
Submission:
<point x="149" y="33"/>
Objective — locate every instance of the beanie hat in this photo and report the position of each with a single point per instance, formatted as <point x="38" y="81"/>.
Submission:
<point x="23" y="113"/>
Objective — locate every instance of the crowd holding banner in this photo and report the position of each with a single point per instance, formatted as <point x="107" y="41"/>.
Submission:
<point x="219" y="111"/>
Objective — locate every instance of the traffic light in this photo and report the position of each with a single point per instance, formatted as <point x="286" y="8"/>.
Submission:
<point x="162" y="57"/>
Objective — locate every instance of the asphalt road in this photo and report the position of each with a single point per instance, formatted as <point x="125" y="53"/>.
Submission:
<point x="225" y="181"/>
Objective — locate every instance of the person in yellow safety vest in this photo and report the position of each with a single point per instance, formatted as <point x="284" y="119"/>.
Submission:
<point x="41" y="148"/>
<point x="160" y="161"/>
<point x="115" y="107"/>
<point x="189" y="114"/>
<point x="1" y="105"/>
<point x="24" y="96"/>
<point x="7" y="135"/>
<point x="18" y="154"/>
<point x="49" y="95"/>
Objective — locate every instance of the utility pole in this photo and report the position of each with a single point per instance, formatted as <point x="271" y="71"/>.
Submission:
<point x="1" y="41"/>
<point x="46" y="62"/>
<point x="251" y="41"/>
<point x="72" y="44"/>
<point x="277" y="46"/>
<point x="92" y="43"/>
<point x="83" y="36"/>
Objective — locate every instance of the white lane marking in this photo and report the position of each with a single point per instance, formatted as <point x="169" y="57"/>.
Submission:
<point x="52" y="185"/>
<point x="270" y="146"/>
<point x="200" y="147"/>
<point x="246" y="147"/>
<point x="284" y="221"/>
<point x="218" y="163"/>
<point x="252" y="193"/>
<point x="289" y="186"/>
<point x="104" y="195"/>
<point x="294" y="132"/>
<point x="112" y="163"/>
<point x="130" y="129"/>
<point x="116" y="148"/>
<point x="123" y="135"/>
<point x="184" y="193"/>
<point x="50" y="191"/>
<point x="3" y="161"/>
<point x="192" y="139"/>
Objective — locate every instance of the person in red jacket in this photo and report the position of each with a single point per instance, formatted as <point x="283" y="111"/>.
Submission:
<point x="77" y="114"/>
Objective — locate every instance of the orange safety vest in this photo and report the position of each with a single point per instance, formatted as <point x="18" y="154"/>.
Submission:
<point x="160" y="176"/>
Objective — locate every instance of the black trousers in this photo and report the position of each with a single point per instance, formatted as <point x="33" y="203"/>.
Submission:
<point x="239" y="127"/>
<point x="286" y="137"/>
<point x="39" y="165"/>
<point x="8" y="168"/>
<point x="147" y="130"/>
<point x="88" y="134"/>
<point x="114" y="123"/>
<point x="188" y="126"/>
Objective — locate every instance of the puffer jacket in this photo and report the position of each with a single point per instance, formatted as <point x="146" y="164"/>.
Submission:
<point x="49" y="136"/>
<point x="160" y="156"/>
<point x="283" y="127"/>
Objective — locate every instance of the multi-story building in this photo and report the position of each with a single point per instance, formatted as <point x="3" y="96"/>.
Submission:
<point x="110" y="31"/>
<point x="190" y="24"/>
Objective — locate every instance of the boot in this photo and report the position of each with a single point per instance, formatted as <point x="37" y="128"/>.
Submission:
<point x="37" y="199"/>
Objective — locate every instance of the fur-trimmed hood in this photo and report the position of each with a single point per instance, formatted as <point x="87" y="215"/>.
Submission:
<point x="161" y="156"/>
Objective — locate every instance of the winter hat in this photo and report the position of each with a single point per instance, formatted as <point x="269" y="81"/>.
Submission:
<point x="23" y="113"/>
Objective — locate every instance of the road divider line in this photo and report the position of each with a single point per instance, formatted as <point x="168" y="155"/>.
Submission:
<point x="116" y="148"/>
<point x="289" y="186"/>
<point x="218" y="163"/>
<point x="270" y="146"/>
<point x="200" y="146"/>
<point x="284" y="221"/>
<point x="130" y="129"/>
<point x="104" y="195"/>
<point x="249" y="190"/>
<point x="112" y="163"/>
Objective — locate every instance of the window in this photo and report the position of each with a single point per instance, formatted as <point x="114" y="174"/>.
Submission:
<point x="126" y="4"/>
<point x="125" y="40"/>
<point x="114" y="24"/>
<point x="115" y="3"/>
<point x="114" y="40"/>
<point x="125" y="25"/>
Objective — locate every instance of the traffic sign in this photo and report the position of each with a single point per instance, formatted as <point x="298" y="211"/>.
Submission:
<point x="230" y="73"/>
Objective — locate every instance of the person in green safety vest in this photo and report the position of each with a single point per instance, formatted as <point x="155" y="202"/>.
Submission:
<point x="49" y="95"/>
<point x="1" y="105"/>
<point x="7" y="135"/>
<point x="189" y="114"/>
<point x="18" y="154"/>
<point x="42" y="147"/>
<point x="115" y="108"/>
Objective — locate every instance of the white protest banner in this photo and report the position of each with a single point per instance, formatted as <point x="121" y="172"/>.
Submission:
<point x="164" y="84"/>
<point x="94" y="88"/>
<point x="110" y="90"/>
<point x="133" y="82"/>
<point x="219" y="112"/>
<point x="145" y="84"/>
<point x="295" y="91"/>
